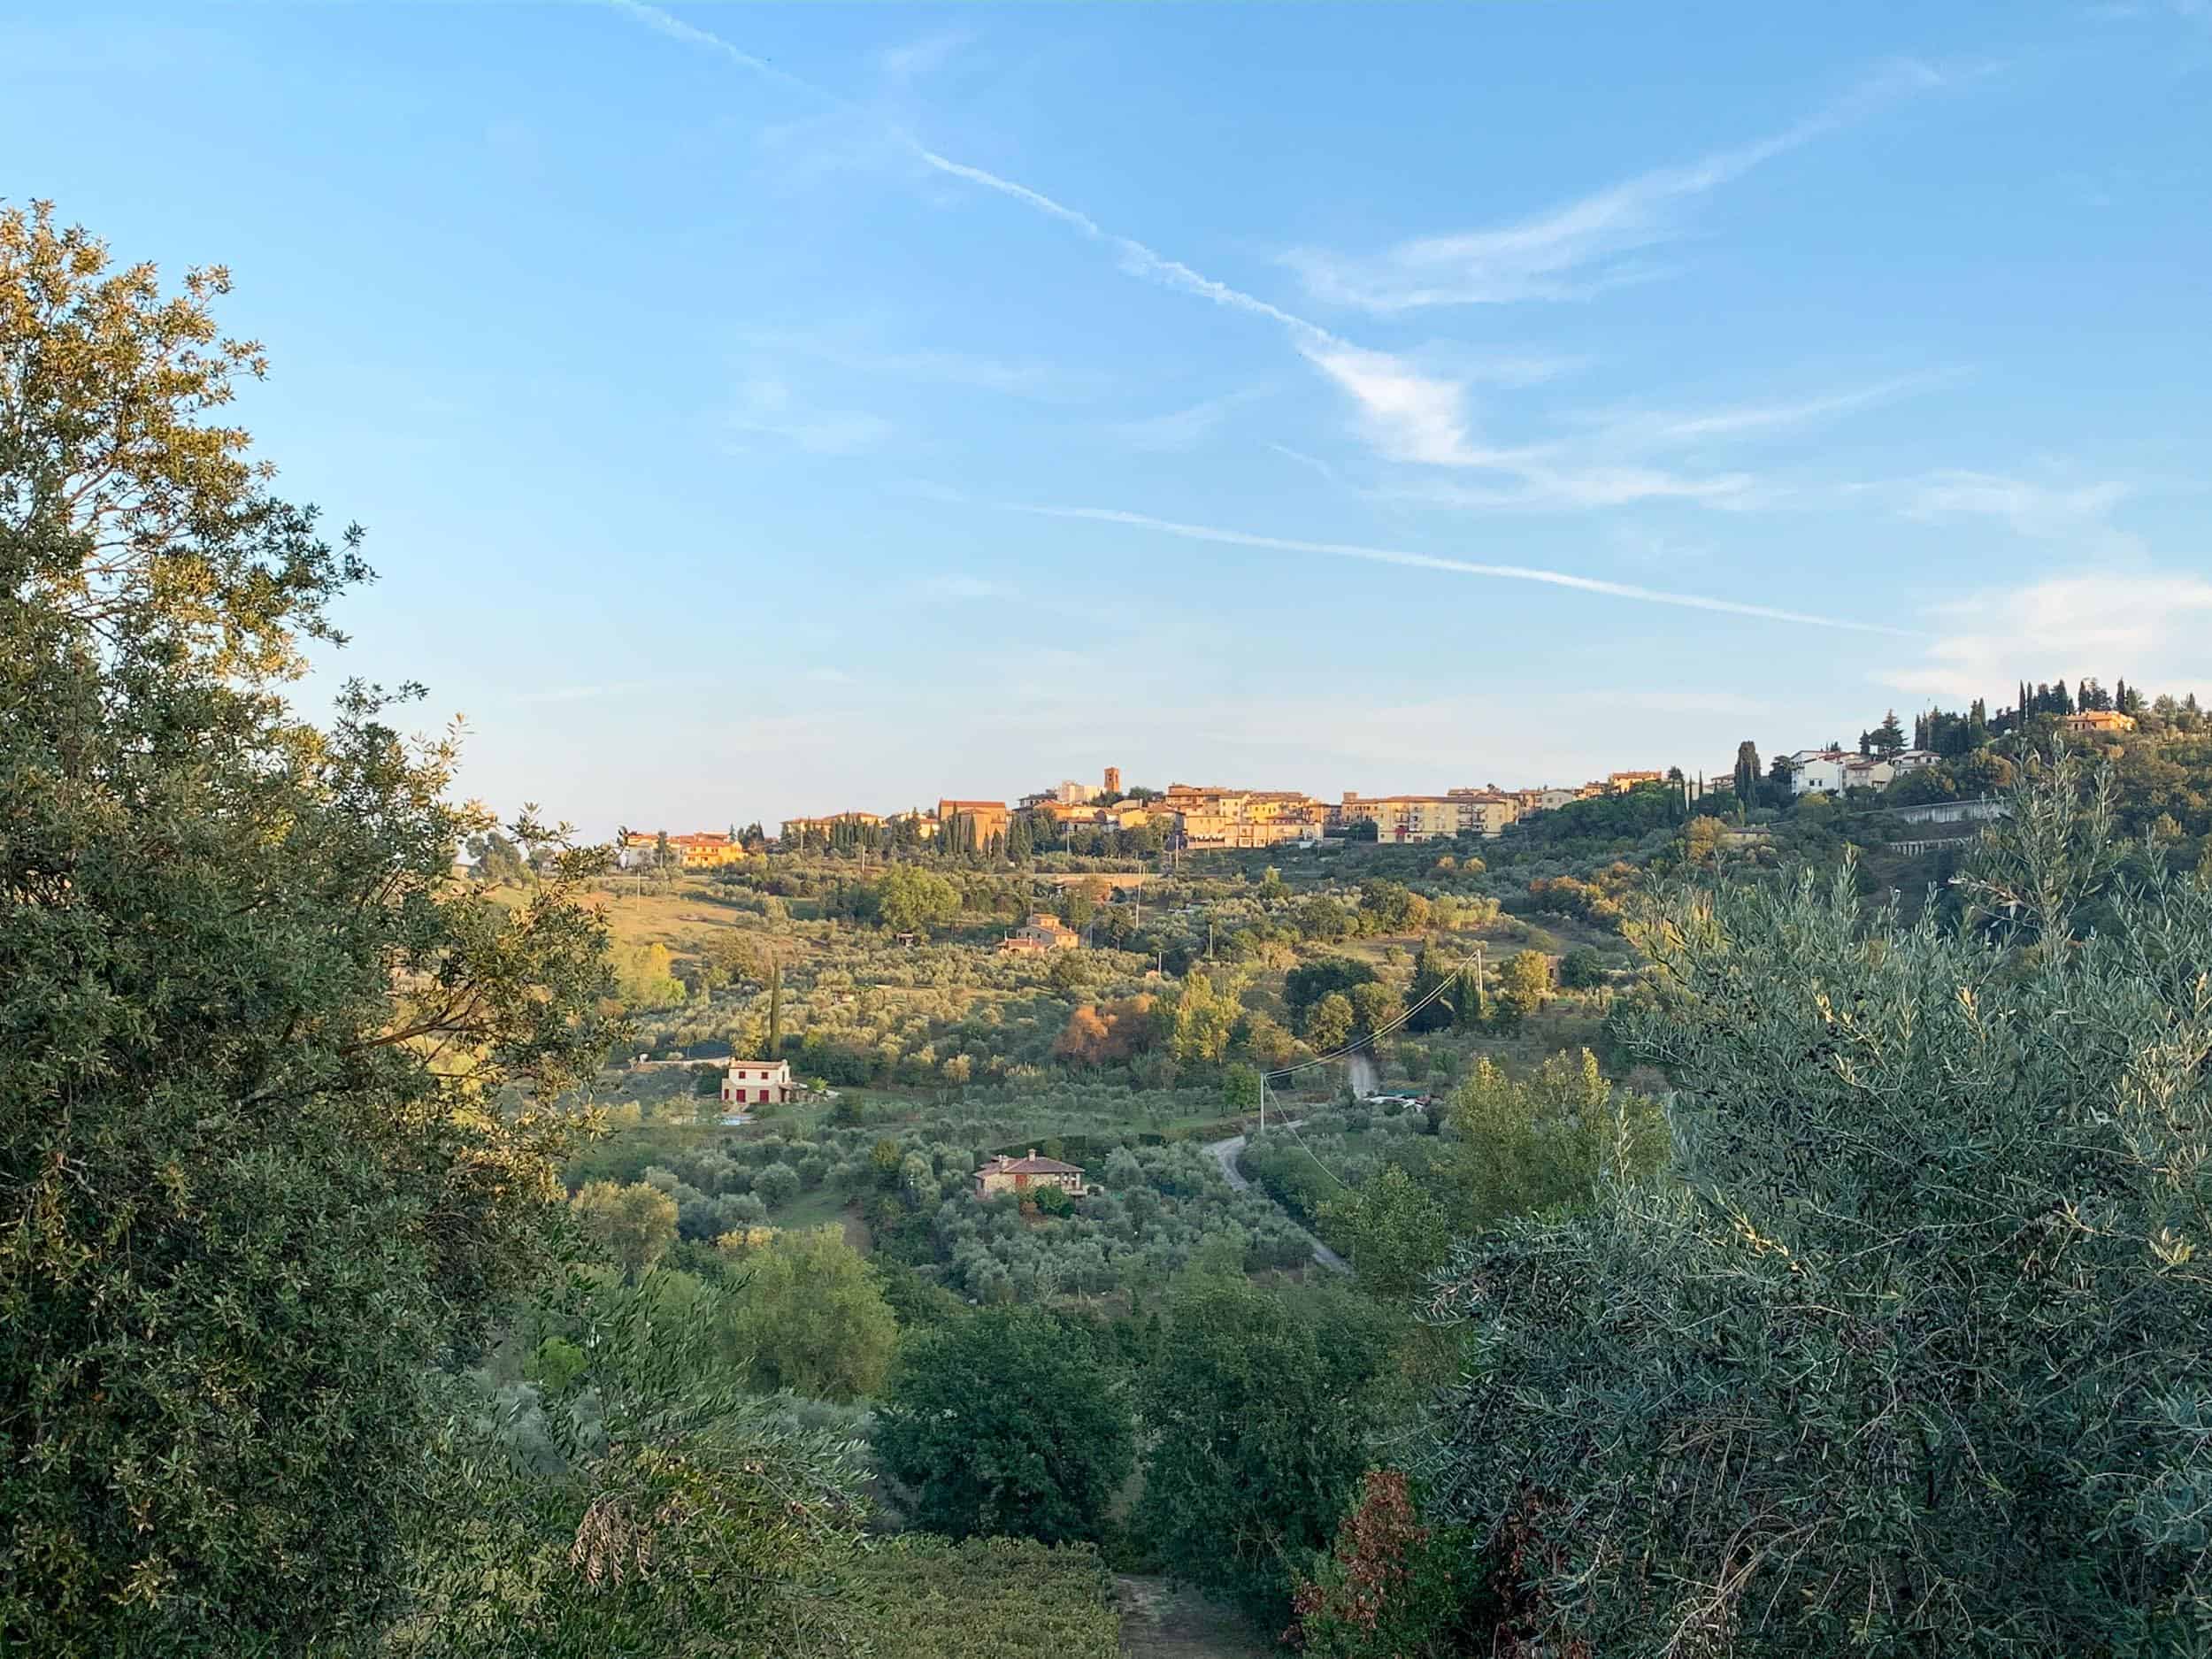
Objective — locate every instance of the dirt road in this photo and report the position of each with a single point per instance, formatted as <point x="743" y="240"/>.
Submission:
<point x="1160" y="1620"/>
<point x="1225" y="1154"/>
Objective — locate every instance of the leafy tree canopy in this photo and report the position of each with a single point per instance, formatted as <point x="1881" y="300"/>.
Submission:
<point x="809" y="1316"/>
<point x="1258" y="1404"/>
<point x="257" y="1171"/>
<point x="1006" y="1423"/>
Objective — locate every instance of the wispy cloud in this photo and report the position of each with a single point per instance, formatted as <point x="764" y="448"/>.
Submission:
<point x="1579" y="247"/>
<point x="1134" y="256"/>
<point x="1025" y="377"/>
<point x="2046" y="511"/>
<point x="665" y="23"/>
<point x="1515" y="368"/>
<point x="1618" y="458"/>
<point x="1407" y="412"/>
<point x="2188" y="12"/>
<point x="1541" y="484"/>
<point x="1182" y="428"/>
<point x="1408" y="416"/>
<point x="2149" y="626"/>
<point x="1658" y="428"/>
<point x="1311" y="463"/>
<point x="766" y="408"/>
<point x="1370" y="372"/>
<point x="1457" y="567"/>
<point x="926" y="55"/>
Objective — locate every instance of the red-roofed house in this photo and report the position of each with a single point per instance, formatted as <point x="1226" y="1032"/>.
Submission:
<point x="1003" y="1174"/>
<point x="758" y="1083"/>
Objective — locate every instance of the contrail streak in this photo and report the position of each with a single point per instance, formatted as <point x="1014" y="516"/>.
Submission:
<point x="1458" y="567"/>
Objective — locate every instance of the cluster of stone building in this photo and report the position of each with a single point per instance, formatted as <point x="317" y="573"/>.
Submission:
<point x="646" y="850"/>
<point x="1833" y="770"/>
<point x="1040" y="936"/>
<point x="1201" y="817"/>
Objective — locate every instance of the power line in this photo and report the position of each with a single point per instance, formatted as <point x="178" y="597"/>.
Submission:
<point x="1292" y="1127"/>
<point x="1353" y="1047"/>
<point x="1444" y="985"/>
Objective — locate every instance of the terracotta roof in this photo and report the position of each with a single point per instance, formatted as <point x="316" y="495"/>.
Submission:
<point x="1031" y="1165"/>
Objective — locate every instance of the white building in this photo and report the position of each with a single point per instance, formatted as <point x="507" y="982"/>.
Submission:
<point x="1067" y="791"/>
<point x="1832" y="771"/>
<point x="1817" y="768"/>
<point x="758" y="1083"/>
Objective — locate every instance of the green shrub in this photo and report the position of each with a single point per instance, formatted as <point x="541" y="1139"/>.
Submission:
<point x="777" y="1185"/>
<point x="1005" y="1423"/>
<point x="807" y="1314"/>
<point x="1394" y="1587"/>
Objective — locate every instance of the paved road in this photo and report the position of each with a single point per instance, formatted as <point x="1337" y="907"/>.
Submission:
<point x="1225" y="1154"/>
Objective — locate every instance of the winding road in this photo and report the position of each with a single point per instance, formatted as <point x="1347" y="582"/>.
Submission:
<point x="1226" y="1153"/>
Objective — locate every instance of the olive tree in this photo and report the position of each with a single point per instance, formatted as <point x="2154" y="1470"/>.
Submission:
<point x="1906" y="1356"/>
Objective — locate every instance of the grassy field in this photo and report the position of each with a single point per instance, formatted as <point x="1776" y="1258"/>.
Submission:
<point x="824" y="1207"/>
<point x="682" y="916"/>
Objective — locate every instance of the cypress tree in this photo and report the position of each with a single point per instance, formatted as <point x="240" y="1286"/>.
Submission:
<point x="1746" y="775"/>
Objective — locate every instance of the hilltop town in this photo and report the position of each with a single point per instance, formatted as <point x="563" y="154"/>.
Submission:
<point x="1109" y="818"/>
<point x="1182" y="818"/>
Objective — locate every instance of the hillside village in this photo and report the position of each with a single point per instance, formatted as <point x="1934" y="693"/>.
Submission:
<point x="1182" y="818"/>
<point x="1107" y="819"/>
<point x="1187" y="818"/>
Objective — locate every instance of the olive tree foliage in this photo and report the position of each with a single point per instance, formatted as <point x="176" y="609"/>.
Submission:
<point x="1909" y="1357"/>
<point x="123" y="497"/>
<point x="641" y="1502"/>
<point x="256" y="1175"/>
<point x="633" y="1226"/>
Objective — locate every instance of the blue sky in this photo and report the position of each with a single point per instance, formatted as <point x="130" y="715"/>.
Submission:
<point x="760" y="409"/>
